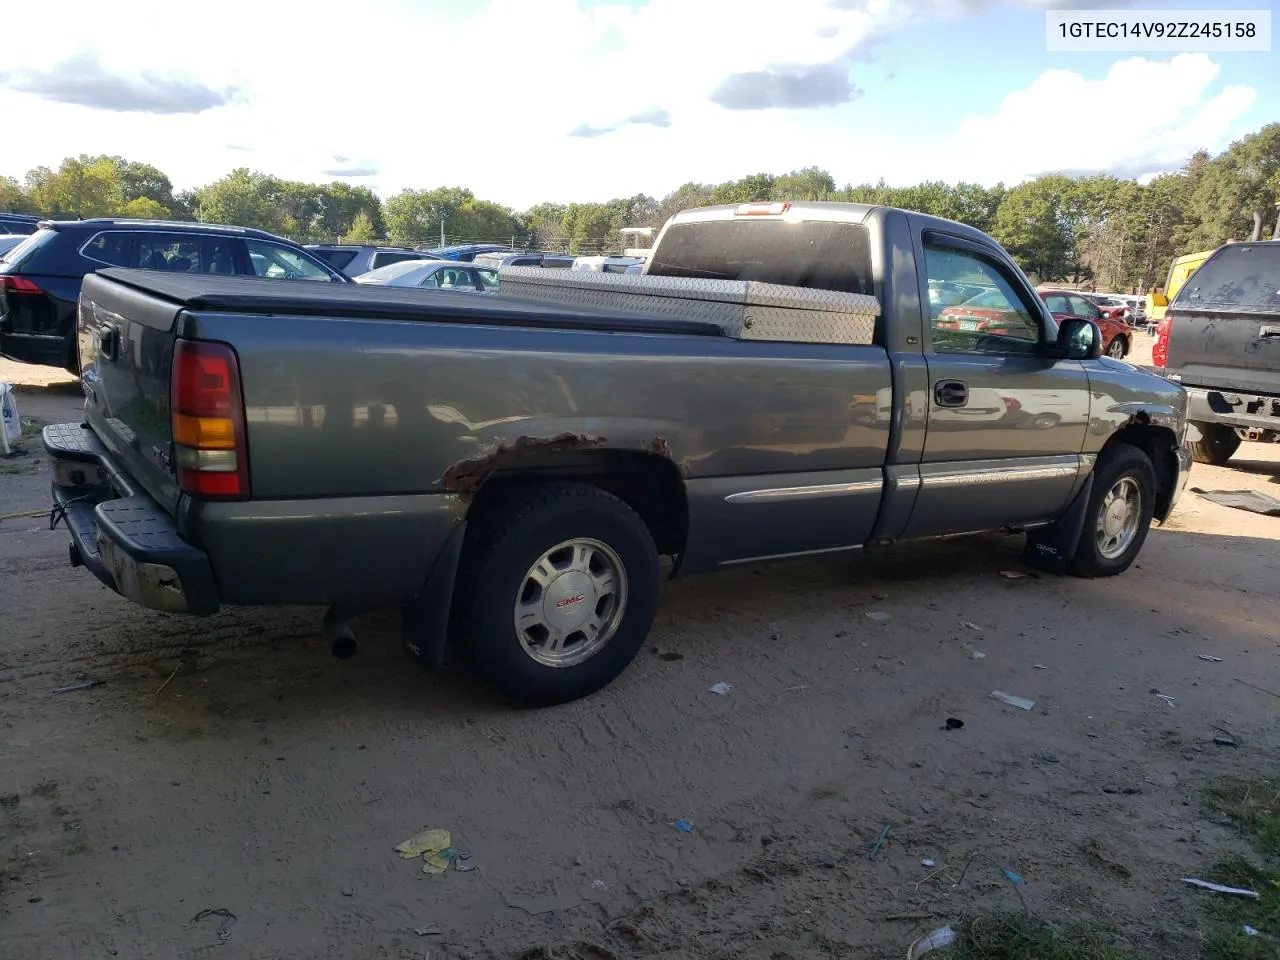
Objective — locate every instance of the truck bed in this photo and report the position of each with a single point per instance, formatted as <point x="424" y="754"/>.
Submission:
<point x="227" y="294"/>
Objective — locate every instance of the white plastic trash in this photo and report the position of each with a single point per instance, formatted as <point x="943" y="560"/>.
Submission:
<point x="12" y="431"/>
<point x="943" y="937"/>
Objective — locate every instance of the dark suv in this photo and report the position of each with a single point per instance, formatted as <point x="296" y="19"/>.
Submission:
<point x="18" y="223"/>
<point x="40" y="278"/>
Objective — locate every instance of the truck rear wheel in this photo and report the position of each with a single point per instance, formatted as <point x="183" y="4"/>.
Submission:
<point x="1216" y="444"/>
<point x="1118" y="515"/>
<point x="557" y="589"/>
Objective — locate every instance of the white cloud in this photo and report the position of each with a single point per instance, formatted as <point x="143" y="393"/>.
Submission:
<point x="430" y="92"/>
<point x="1144" y="116"/>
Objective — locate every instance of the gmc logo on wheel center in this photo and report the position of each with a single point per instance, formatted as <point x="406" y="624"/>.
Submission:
<point x="570" y="601"/>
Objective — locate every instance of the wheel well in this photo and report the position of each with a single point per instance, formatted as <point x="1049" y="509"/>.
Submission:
<point x="1158" y="443"/>
<point x="649" y="483"/>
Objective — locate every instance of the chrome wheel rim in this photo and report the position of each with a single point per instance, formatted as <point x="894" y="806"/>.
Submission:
<point x="1117" y="348"/>
<point x="1118" y="518"/>
<point x="570" y="602"/>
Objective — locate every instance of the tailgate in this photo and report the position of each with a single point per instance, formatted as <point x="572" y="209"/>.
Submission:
<point x="126" y="338"/>
<point x="1224" y="329"/>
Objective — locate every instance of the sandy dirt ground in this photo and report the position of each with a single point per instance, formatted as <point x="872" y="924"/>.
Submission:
<point x="231" y="764"/>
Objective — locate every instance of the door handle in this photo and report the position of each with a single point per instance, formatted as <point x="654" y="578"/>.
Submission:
<point x="951" y="393"/>
<point x="109" y="341"/>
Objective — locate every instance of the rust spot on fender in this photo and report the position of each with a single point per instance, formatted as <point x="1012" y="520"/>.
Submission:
<point x="660" y="446"/>
<point x="466" y="476"/>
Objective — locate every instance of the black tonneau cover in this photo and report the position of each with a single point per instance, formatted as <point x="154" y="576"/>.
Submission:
<point x="260" y="295"/>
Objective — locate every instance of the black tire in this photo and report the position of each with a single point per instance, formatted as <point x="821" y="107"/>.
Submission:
<point x="1122" y="352"/>
<point x="1216" y="445"/>
<point x="502" y="546"/>
<point x="1119" y="462"/>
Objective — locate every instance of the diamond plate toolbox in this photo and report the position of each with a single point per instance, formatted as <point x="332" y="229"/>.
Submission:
<point x="744" y="309"/>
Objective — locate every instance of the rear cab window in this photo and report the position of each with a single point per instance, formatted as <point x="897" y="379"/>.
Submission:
<point x="338" y="259"/>
<point x="384" y="258"/>
<point x="1246" y="277"/>
<point x="827" y="255"/>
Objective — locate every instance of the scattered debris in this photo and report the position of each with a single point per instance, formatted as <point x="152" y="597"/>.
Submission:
<point x="953" y="723"/>
<point x="942" y="937"/>
<point x="1249" y="931"/>
<point x="879" y="616"/>
<point x="348" y="892"/>
<point x="928" y="862"/>
<point x="1040" y="666"/>
<point x="224" y="928"/>
<point x="428" y="841"/>
<point x="1208" y="659"/>
<point x="1250" y="500"/>
<point x="1219" y="888"/>
<point x="977" y="655"/>
<point x="970" y="625"/>
<point x="684" y="826"/>
<point x="599" y="885"/>
<point x="437" y="861"/>
<point x="879" y="597"/>
<point x="160" y="688"/>
<point x="721" y="688"/>
<point x="880" y="841"/>
<point x="1015" y="881"/>
<point x="463" y="863"/>
<point x="428" y="930"/>
<point x="1225" y="738"/>
<point x="1014" y="575"/>
<point x="1019" y="702"/>
<point x="80" y="686"/>
<point x="1048" y="756"/>
<point x="1166" y="698"/>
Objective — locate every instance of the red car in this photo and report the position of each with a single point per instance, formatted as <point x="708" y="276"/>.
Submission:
<point x="989" y="313"/>
<point x="1117" y="336"/>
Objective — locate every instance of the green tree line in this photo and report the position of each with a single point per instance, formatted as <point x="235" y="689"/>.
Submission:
<point x="1115" y="232"/>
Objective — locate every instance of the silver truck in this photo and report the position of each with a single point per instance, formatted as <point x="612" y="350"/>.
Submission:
<point x="508" y="471"/>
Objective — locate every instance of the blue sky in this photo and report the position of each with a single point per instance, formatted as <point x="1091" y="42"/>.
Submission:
<point x="531" y="100"/>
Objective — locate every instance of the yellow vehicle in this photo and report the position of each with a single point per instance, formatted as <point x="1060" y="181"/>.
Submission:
<point x="1179" y="273"/>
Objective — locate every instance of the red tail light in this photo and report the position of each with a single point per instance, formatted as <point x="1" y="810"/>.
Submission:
<point x="12" y="284"/>
<point x="207" y="412"/>
<point x="1160" y="350"/>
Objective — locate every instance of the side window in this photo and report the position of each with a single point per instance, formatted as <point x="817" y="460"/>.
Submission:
<point x="152" y="251"/>
<point x="1083" y="308"/>
<point x="338" y="259"/>
<point x="488" y="279"/>
<point x="280" y="263"/>
<point x="432" y="280"/>
<point x="383" y="258"/>
<point x="973" y="308"/>
<point x="1057" y="303"/>
<point x="112" y="248"/>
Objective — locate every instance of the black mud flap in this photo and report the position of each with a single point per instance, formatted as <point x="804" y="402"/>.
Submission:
<point x="1051" y="548"/>
<point x="424" y="623"/>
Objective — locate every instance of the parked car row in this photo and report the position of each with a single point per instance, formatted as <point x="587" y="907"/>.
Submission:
<point x="40" y="277"/>
<point x="988" y="312"/>
<point x="434" y="275"/>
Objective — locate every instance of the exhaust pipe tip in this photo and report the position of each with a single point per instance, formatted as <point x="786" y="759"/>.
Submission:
<point x="343" y="648"/>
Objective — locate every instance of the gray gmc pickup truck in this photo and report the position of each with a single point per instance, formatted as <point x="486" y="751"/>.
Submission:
<point x="783" y="380"/>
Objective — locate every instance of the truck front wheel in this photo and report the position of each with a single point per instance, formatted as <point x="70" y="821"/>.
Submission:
<point x="557" y="588"/>
<point x="1118" y="514"/>
<point x="1216" y="444"/>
